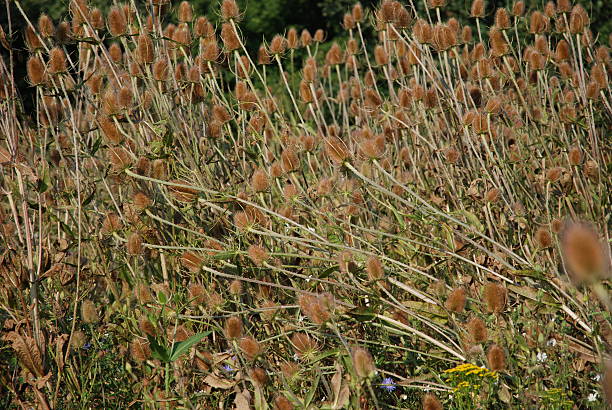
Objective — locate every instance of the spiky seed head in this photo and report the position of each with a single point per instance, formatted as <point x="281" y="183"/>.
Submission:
<point x="495" y="297"/>
<point x="477" y="330"/>
<point x="134" y="244"/>
<point x="431" y="402"/>
<point x="230" y="38"/>
<point x="233" y="328"/>
<point x="45" y="26"/>
<point x="543" y="238"/>
<point x="36" y="70"/>
<point x="258" y="376"/>
<point x="117" y="23"/>
<point x="282" y="403"/>
<point x="456" y="300"/>
<point x="140" y="350"/>
<point x="230" y="10"/>
<point x="496" y="357"/>
<point x="305" y="38"/>
<point x="584" y="254"/>
<point x="477" y="9"/>
<point x="363" y="363"/>
<point x="374" y="268"/>
<point x="89" y="312"/>
<point x="250" y="347"/>
<point x="357" y="12"/>
<point x="185" y="12"/>
<point x="147" y="327"/>
<point x="258" y="255"/>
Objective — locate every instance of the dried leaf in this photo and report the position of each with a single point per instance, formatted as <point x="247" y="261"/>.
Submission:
<point x="219" y="383"/>
<point x="241" y="402"/>
<point x="27" y="352"/>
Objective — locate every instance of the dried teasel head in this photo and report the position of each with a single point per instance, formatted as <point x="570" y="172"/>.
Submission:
<point x="230" y="10"/>
<point x="456" y="300"/>
<point x="431" y="402"/>
<point x="363" y="363"/>
<point x="233" y="328"/>
<point x="585" y="256"/>
<point x="495" y="297"/>
<point x="477" y="330"/>
<point x="496" y="358"/>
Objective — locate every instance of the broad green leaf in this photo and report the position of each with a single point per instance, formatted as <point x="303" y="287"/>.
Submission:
<point x="182" y="347"/>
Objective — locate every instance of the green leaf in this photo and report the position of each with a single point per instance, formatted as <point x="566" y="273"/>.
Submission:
<point x="184" y="346"/>
<point x="158" y="351"/>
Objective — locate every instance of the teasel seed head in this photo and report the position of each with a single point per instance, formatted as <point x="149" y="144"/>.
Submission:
<point x="145" y="50"/>
<point x="233" y="328"/>
<point x="235" y="287"/>
<point x="259" y="181"/>
<point x="185" y="12"/>
<point x="584" y="254"/>
<point x="477" y="9"/>
<point x="431" y="402"/>
<point x="495" y="297"/>
<point x="543" y="238"/>
<point x="289" y="160"/>
<point x="282" y="403"/>
<point x="305" y="38"/>
<point x="374" y="269"/>
<point x="45" y="26"/>
<point x="32" y="40"/>
<point x="518" y="9"/>
<point x="160" y="70"/>
<point x="230" y="38"/>
<point x="492" y="195"/>
<point x="142" y="292"/>
<point x="258" y="255"/>
<point x="319" y="36"/>
<point x="134" y="244"/>
<point x="111" y="223"/>
<point x="496" y="357"/>
<point x="117" y="23"/>
<point x="192" y="261"/>
<point x="579" y="19"/>
<point x="230" y="10"/>
<point x="575" y="156"/>
<point x="258" y="376"/>
<point x="36" y="70"/>
<point x="502" y="19"/>
<point x="538" y="23"/>
<point x="477" y="330"/>
<point x="96" y="18"/>
<point x="250" y="347"/>
<point x="336" y="150"/>
<point x="147" y="327"/>
<point x="89" y="312"/>
<point x="456" y="300"/>
<point x="140" y="350"/>
<point x="363" y="363"/>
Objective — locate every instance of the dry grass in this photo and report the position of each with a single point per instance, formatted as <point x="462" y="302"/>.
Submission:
<point x="353" y="225"/>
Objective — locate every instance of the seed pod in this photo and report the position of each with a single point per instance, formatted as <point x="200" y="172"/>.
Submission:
<point x="496" y="358"/>
<point x="495" y="297"/>
<point x="233" y="328"/>
<point x="36" y="70"/>
<point x="363" y="363"/>
<point x="117" y="23"/>
<point x="477" y="9"/>
<point x="584" y="255"/>
<point x="229" y="10"/>
<point x="230" y="38"/>
<point x="431" y="402"/>
<point x="456" y="300"/>
<point x="477" y="330"/>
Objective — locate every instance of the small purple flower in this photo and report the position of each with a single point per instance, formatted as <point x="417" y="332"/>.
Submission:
<point x="87" y="346"/>
<point x="228" y="368"/>
<point x="388" y="384"/>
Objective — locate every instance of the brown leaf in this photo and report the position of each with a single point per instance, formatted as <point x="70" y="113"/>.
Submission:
<point x="27" y="353"/>
<point x="241" y="402"/>
<point x="218" y="383"/>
